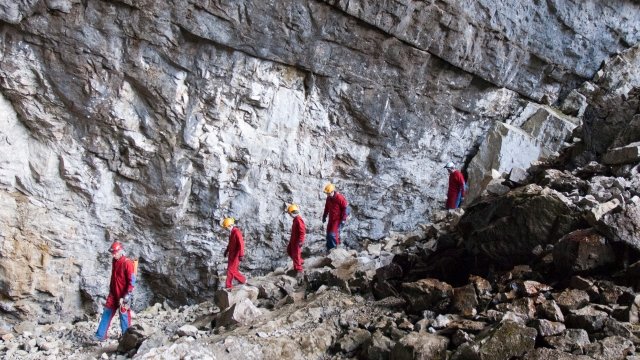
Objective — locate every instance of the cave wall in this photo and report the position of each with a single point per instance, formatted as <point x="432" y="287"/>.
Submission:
<point x="147" y="122"/>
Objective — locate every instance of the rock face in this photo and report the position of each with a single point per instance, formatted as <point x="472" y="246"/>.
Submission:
<point x="148" y="121"/>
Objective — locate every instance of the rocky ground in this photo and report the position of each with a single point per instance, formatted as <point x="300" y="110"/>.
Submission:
<point x="488" y="282"/>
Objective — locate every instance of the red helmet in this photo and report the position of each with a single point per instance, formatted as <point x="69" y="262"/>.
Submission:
<point x="115" y="247"/>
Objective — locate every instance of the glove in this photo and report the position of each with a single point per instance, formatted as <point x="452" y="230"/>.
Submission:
<point x="324" y="219"/>
<point x="126" y="300"/>
<point x="241" y="258"/>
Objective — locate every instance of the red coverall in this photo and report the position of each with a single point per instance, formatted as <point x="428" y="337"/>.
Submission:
<point x="235" y="250"/>
<point x="336" y="208"/>
<point x="456" y="189"/>
<point x="294" y="249"/>
<point x="123" y="280"/>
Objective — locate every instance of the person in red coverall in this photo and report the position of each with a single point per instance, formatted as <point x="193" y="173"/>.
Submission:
<point x="234" y="253"/>
<point x="123" y="281"/>
<point x="336" y="208"/>
<point x="456" y="191"/>
<point x="298" y="232"/>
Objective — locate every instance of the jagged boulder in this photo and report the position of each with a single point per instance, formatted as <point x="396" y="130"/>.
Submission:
<point x="420" y="346"/>
<point x="225" y="298"/>
<point x="621" y="226"/>
<point x="427" y="294"/>
<point x="133" y="338"/>
<point x="582" y="251"/>
<point x="610" y="348"/>
<point x="378" y="347"/>
<point x="589" y="318"/>
<point x="548" y="354"/>
<point x="572" y="341"/>
<point x="507" y="340"/>
<point x="507" y="229"/>
<point x="623" y="155"/>
<point x="242" y="312"/>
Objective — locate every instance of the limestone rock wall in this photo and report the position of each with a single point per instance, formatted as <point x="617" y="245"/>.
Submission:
<point x="148" y="121"/>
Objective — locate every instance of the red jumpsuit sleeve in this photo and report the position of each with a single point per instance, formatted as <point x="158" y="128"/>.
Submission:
<point x="131" y="276"/>
<point x="460" y="182"/>
<point x="240" y="243"/>
<point x="326" y="207"/>
<point x="343" y="208"/>
<point x="302" y="232"/>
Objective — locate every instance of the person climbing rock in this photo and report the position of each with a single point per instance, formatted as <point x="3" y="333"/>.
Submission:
<point x="335" y="208"/>
<point x="456" y="192"/>
<point x="298" y="232"/>
<point x="234" y="252"/>
<point x="123" y="281"/>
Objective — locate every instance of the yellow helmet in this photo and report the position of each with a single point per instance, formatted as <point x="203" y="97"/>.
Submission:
<point x="329" y="188"/>
<point x="228" y="222"/>
<point x="293" y="208"/>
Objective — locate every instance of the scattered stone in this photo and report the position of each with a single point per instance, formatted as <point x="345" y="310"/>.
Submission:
<point x="623" y="155"/>
<point x="187" y="330"/>
<point x="588" y="318"/>
<point x="550" y="310"/>
<point x="610" y="348"/>
<point x="242" y="312"/>
<point x="465" y="301"/>
<point x="552" y="354"/>
<point x="582" y="251"/>
<point x="354" y="340"/>
<point x="427" y="294"/>
<point x="572" y="341"/>
<point x="507" y="340"/>
<point x="423" y="346"/>
<point x="548" y="328"/>
<point x="571" y="299"/>
<point x="225" y="298"/>
<point x="378" y="347"/>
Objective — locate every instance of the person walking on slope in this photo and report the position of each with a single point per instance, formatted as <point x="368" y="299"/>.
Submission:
<point x="336" y="208"/>
<point x="123" y="281"/>
<point x="234" y="253"/>
<point x="298" y="232"/>
<point x="456" y="191"/>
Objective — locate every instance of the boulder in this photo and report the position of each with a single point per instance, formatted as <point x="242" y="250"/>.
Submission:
<point x="354" y="340"/>
<point x="378" y="347"/>
<point x="524" y="308"/>
<point x="243" y="312"/>
<point x="582" y="251"/>
<point x="519" y="176"/>
<point x="610" y="348"/>
<point x="187" y="330"/>
<point x="548" y="328"/>
<point x="550" y="127"/>
<point x="550" y="310"/>
<point x="427" y="294"/>
<point x="505" y="341"/>
<point x="133" y="338"/>
<point x="504" y="147"/>
<point x="574" y="104"/>
<point x="420" y="346"/>
<point x="622" y="155"/>
<point x="225" y="298"/>
<point x="549" y="354"/>
<point x="588" y="318"/>
<point x="507" y="229"/>
<point x="571" y="299"/>
<point x="621" y="226"/>
<point x="572" y="340"/>
<point x="465" y="301"/>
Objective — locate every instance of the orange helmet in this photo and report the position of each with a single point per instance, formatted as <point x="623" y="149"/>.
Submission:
<point x="293" y="209"/>
<point x="115" y="247"/>
<point x="227" y="222"/>
<point x="329" y="188"/>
